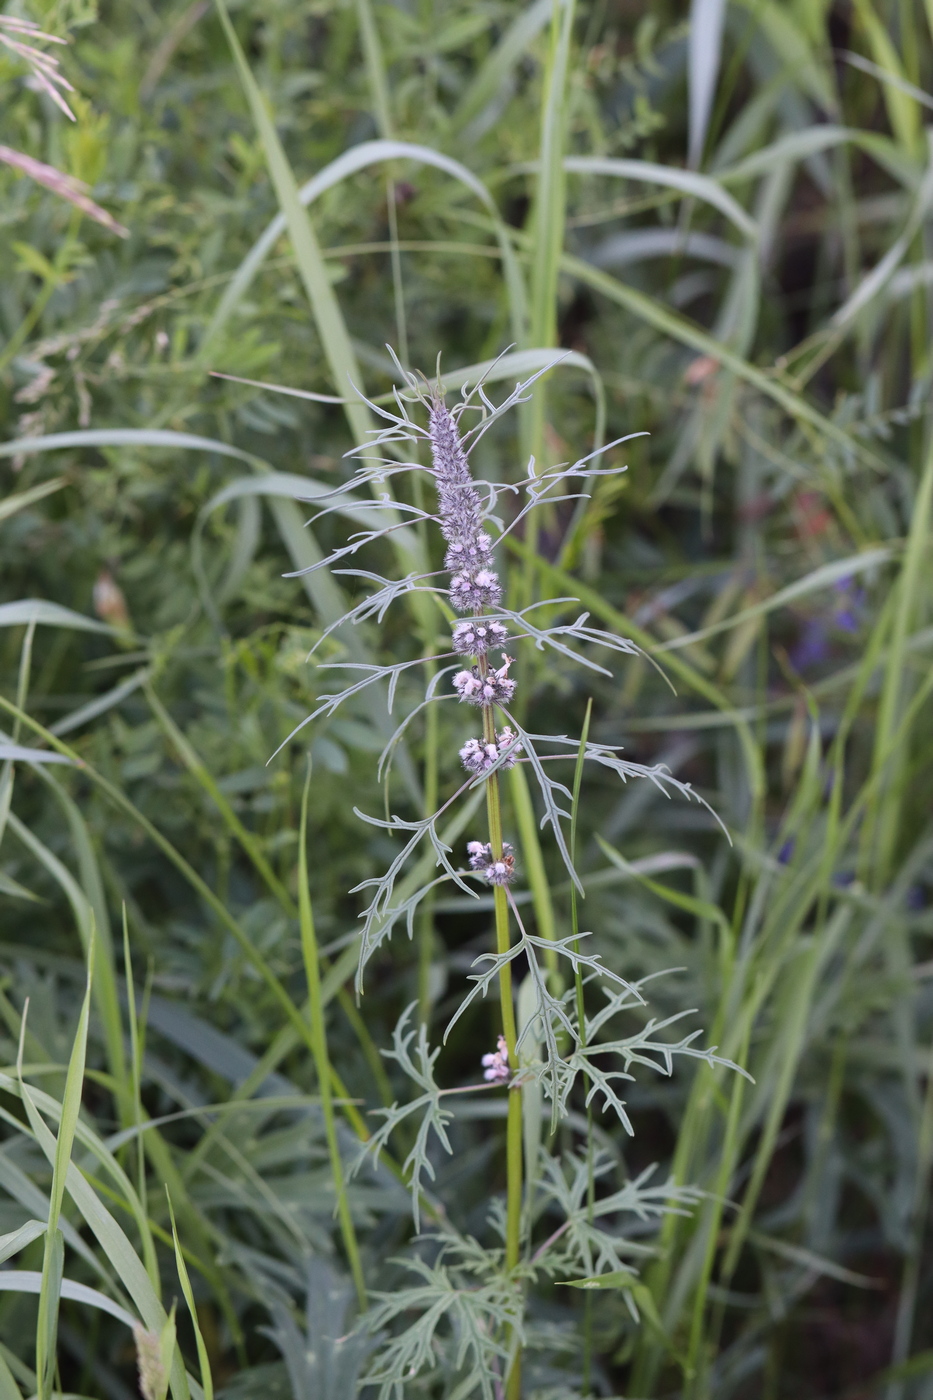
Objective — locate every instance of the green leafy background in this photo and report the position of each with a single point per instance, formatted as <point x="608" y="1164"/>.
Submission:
<point x="724" y="213"/>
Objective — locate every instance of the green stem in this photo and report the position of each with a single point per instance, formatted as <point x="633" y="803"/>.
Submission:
<point x="513" y="1149"/>
<point x="533" y="865"/>
<point x="581" y="1033"/>
<point x="426" y="913"/>
<point x="309" y="950"/>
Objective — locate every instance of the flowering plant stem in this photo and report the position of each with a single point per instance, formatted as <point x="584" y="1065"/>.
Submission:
<point x="426" y="922"/>
<point x="513" y="1148"/>
<point x="581" y="1022"/>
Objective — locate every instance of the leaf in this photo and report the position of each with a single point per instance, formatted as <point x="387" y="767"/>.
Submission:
<point x="903" y="110"/>
<point x="882" y="272"/>
<point x="102" y="703"/>
<point x="18" y="1239"/>
<point x="121" y="437"/>
<point x="11" y="504"/>
<point x="623" y="249"/>
<point x="29" y="610"/>
<point x="688" y="182"/>
<point x="321" y="1052"/>
<point x="704" y="55"/>
<point x="15" y="890"/>
<point x="53" y="1258"/>
<point x="30" y="1281"/>
<point x="207" y="1382"/>
<point x="16" y="753"/>
<point x="619" y="1278"/>
<point x="325" y="1361"/>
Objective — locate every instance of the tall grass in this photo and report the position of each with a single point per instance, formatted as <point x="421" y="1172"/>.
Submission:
<point x="712" y="224"/>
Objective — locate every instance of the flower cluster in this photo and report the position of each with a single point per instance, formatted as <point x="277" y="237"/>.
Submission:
<point x="473" y="554"/>
<point x="496" y="1066"/>
<point x="469" y="549"/>
<point x="477" y="756"/>
<point x="479" y="635"/>
<point x="484" y="862"/>
<point x="495" y="687"/>
<point x="474" y="590"/>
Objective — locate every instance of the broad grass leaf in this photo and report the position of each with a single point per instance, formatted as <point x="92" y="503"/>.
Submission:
<point x="38" y="610"/>
<point x="687" y="182"/>
<point x="704" y="55"/>
<point x="30" y="1281"/>
<point x="17" y="753"/>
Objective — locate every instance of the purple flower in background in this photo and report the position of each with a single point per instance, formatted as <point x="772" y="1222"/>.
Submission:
<point x="812" y="646"/>
<point x="848" y="614"/>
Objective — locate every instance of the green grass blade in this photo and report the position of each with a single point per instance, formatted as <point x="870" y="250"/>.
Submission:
<point x="883" y="822"/>
<point x="687" y="182"/>
<point x="335" y="340"/>
<point x="22" y="499"/>
<point x="38" y="610"/>
<point x="9" y="1390"/>
<point x="30" y="1281"/>
<point x="207" y="1380"/>
<point x="112" y="1239"/>
<point x="310" y="954"/>
<point x="535" y="872"/>
<point x="705" y="53"/>
<point x="904" y="111"/>
<point x="546" y="243"/>
<point x="54" y="1253"/>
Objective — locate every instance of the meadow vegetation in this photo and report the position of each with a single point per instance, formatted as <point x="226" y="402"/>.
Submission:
<point x="247" y="1146"/>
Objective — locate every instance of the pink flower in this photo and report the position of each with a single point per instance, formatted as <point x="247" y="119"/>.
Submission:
<point x="496" y="1066"/>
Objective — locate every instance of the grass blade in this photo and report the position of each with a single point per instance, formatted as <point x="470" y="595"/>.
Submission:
<point x="54" y="1254"/>
<point x="310" y="954"/>
<point x="207" y="1381"/>
<point x="705" y="52"/>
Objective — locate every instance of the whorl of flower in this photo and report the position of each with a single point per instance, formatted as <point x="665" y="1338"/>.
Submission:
<point x="493" y="688"/>
<point x="478" y="757"/>
<point x="496" y="1066"/>
<point x="482" y="860"/>
<point x="470" y="592"/>
<point x="464" y="557"/>
<point x="476" y="637"/>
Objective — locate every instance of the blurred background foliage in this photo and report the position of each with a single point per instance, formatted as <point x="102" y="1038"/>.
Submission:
<point x="728" y="213"/>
